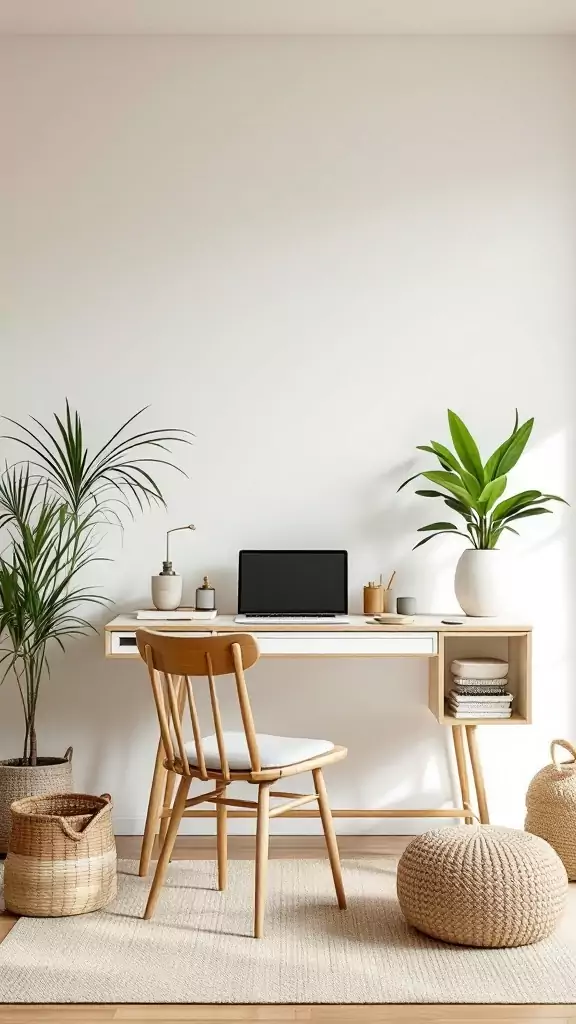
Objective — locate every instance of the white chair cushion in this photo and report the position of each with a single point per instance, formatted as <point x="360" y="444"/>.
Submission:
<point x="275" y="751"/>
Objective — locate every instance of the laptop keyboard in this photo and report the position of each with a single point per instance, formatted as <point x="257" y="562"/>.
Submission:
<point x="289" y="620"/>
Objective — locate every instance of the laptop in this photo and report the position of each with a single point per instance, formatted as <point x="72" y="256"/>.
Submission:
<point x="301" y="587"/>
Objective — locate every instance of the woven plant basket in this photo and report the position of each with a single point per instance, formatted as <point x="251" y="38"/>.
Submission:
<point x="50" y="775"/>
<point x="62" y="855"/>
<point x="551" y="806"/>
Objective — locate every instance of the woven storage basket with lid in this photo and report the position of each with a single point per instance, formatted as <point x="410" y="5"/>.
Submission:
<point x="551" y="806"/>
<point x="62" y="855"/>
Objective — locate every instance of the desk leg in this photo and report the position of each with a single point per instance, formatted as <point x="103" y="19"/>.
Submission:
<point x="159" y="781"/>
<point x="458" y="735"/>
<point x="477" y="774"/>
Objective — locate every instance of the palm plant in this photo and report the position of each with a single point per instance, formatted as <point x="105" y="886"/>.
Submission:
<point x="52" y="508"/>
<point x="471" y="488"/>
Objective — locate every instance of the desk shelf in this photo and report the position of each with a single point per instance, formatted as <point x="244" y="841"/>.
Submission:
<point x="513" y="647"/>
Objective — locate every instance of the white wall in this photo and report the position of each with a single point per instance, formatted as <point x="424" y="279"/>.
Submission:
<point x="304" y="250"/>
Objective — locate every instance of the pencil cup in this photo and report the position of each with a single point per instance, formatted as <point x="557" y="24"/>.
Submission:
<point x="373" y="599"/>
<point x="388" y="602"/>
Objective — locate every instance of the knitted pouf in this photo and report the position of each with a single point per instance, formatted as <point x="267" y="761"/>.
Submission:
<point x="482" y="886"/>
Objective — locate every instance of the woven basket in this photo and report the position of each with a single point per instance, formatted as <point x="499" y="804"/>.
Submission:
<point x="50" y="775"/>
<point x="551" y="806"/>
<point x="62" y="855"/>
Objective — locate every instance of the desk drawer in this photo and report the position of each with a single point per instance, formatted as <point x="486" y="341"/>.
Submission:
<point x="341" y="644"/>
<point x="124" y="644"/>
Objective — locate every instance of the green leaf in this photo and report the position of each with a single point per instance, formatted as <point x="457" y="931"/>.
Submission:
<point x="437" y="526"/>
<point x="554" y="497"/>
<point x="491" y="467"/>
<point x="430" y="494"/>
<point x="426" y="539"/>
<point x="514" y="502"/>
<point x="438" y="534"/>
<point x="426" y="448"/>
<point x="529" y="512"/>
<point x="459" y="507"/>
<point x="493" y="490"/>
<point x="409" y="480"/>
<point x="515" y="448"/>
<point x="445" y="455"/>
<point x="471" y="483"/>
<point x="450" y="482"/>
<point x="465" y="446"/>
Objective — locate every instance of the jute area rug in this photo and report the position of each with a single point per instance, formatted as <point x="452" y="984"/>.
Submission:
<point x="198" y="948"/>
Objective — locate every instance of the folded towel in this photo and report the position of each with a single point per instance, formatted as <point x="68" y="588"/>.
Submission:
<point x="481" y="698"/>
<point x="479" y="668"/>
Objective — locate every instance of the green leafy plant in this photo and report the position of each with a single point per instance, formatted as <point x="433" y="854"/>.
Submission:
<point x="52" y="510"/>
<point x="473" y="489"/>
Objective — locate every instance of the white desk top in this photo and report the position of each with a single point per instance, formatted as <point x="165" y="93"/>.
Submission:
<point x="226" y="623"/>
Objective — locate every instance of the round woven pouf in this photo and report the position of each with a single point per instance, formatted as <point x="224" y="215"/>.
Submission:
<point x="482" y="886"/>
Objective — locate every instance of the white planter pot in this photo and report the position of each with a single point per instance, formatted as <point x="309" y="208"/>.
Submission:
<point x="166" y="592"/>
<point x="482" y="582"/>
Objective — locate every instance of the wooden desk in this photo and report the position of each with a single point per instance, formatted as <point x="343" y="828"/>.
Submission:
<point x="427" y="637"/>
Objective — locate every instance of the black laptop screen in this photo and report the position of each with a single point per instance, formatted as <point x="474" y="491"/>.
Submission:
<point x="293" y="582"/>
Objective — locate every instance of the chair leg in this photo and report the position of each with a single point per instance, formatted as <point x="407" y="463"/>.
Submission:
<point x="262" y="838"/>
<point x="153" y="813"/>
<point x="166" y="852"/>
<point x="171" y="777"/>
<point x="330" y="836"/>
<point x="166" y="806"/>
<point x="222" y="842"/>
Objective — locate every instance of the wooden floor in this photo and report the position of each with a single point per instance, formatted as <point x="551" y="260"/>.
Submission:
<point x="242" y="847"/>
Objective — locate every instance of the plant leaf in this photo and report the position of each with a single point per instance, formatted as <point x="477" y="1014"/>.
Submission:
<point x="409" y="480"/>
<point x="529" y="512"/>
<point x="514" y="502"/>
<point x="515" y="448"/>
<point x="491" y="467"/>
<point x="452" y="484"/>
<point x="438" y="526"/>
<point x="465" y="446"/>
<point x="493" y="491"/>
<point x="426" y="448"/>
<point x="554" y="497"/>
<point x="426" y="539"/>
<point x="452" y="532"/>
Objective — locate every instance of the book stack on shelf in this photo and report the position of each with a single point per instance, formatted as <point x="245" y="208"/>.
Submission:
<point x="480" y="689"/>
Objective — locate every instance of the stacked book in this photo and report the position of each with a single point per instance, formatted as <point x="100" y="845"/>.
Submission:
<point x="480" y="689"/>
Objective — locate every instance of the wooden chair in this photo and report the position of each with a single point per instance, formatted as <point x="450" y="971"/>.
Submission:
<point x="226" y="757"/>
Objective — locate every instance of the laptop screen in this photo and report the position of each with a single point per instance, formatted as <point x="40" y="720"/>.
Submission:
<point x="293" y="582"/>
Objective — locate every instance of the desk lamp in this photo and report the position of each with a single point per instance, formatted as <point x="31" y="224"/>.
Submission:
<point x="167" y="585"/>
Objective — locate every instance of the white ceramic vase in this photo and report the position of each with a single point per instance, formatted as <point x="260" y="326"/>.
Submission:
<point x="166" y="592"/>
<point x="481" y="582"/>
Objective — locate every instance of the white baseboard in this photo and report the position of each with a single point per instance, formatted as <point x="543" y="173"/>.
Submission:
<point x="296" y="827"/>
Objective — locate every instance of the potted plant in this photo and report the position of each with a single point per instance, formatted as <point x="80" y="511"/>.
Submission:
<point x="52" y="511"/>
<point x="475" y="491"/>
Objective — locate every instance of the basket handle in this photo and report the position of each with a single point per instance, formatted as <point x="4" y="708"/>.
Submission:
<point x="77" y="836"/>
<point x="567" y="746"/>
<point x="68" y="754"/>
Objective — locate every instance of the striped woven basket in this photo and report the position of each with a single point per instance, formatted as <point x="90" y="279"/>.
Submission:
<point x="62" y="855"/>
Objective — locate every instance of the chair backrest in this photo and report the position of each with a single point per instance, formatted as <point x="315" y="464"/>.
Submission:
<point x="173" y="662"/>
